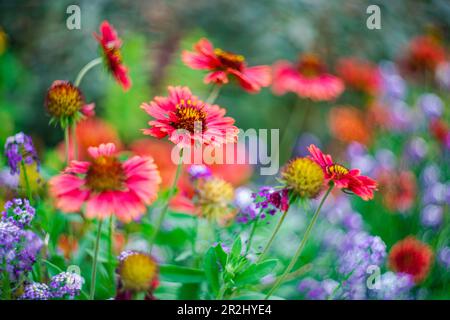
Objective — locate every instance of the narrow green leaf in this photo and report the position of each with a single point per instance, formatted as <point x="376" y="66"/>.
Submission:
<point x="212" y="270"/>
<point x="255" y="272"/>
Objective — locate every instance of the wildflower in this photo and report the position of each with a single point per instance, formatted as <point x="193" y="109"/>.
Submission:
<point x="19" y="212"/>
<point x="399" y="189"/>
<point x="411" y="256"/>
<point x="441" y="132"/>
<point x="423" y="54"/>
<point x="66" y="285"/>
<point x="198" y="121"/>
<point x="431" y="105"/>
<point x="304" y="177"/>
<point x="360" y="75"/>
<point x="20" y="148"/>
<point x="394" y="286"/>
<point x="349" y="124"/>
<point x="243" y="200"/>
<point x="106" y="185"/>
<point x="223" y="64"/>
<point x="443" y="75"/>
<point x="215" y="198"/>
<point x="317" y="290"/>
<point x="432" y="215"/>
<point x="36" y="291"/>
<point x="198" y="171"/>
<point x="138" y="272"/>
<point x="271" y="201"/>
<point x="111" y="44"/>
<point x="308" y="79"/>
<point x="444" y="257"/>
<point x="393" y="85"/>
<point x="343" y="178"/>
<point x="65" y="103"/>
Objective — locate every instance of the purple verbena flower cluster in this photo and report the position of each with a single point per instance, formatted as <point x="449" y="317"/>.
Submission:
<point x="19" y="212"/>
<point x="20" y="148"/>
<point x="36" y="291"/>
<point x="270" y="200"/>
<point x="244" y="202"/>
<point x="66" y="285"/>
<point x="198" y="171"/>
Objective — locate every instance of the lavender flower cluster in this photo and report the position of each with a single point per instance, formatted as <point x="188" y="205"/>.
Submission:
<point x="20" y="148"/>
<point x="18" y="246"/>
<point x="63" y="285"/>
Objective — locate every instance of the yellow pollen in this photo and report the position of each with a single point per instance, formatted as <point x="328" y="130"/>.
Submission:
<point x="138" y="272"/>
<point x="304" y="177"/>
<point x="310" y="65"/>
<point x="230" y="59"/>
<point x="105" y="174"/>
<point x="337" y="170"/>
<point x="190" y="116"/>
<point x="64" y="100"/>
<point x="214" y="199"/>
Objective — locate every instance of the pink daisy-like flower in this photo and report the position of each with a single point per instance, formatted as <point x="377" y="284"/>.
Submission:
<point x="111" y="45"/>
<point x="343" y="178"/>
<point x="106" y="185"/>
<point x="223" y="63"/>
<point x="308" y="79"/>
<point x="187" y="120"/>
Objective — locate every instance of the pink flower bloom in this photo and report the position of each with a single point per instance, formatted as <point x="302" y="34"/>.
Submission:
<point x="223" y="64"/>
<point x="308" y="79"/>
<point x="106" y="185"/>
<point x="111" y="45"/>
<point x="185" y="119"/>
<point x="88" y="110"/>
<point x="343" y="178"/>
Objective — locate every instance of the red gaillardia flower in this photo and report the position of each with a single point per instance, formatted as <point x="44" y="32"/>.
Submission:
<point x="411" y="256"/>
<point x="308" y="79"/>
<point x="343" y="178"/>
<point x="349" y="124"/>
<point x="186" y="120"/>
<point x="111" y="45"/>
<point x="423" y="54"/>
<point x="106" y="185"/>
<point x="360" y="75"/>
<point x="65" y="103"/>
<point x="223" y="64"/>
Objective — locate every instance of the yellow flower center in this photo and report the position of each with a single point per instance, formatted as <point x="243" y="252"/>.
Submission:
<point x="337" y="170"/>
<point x="214" y="197"/>
<point x="64" y="100"/>
<point x="105" y="174"/>
<point x="229" y="59"/>
<point x="137" y="272"/>
<point x="304" y="177"/>
<point x="191" y="116"/>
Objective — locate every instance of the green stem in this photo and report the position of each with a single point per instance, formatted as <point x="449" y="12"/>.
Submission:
<point x="213" y="94"/>
<point x="301" y="246"/>
<point x="111" y="247"/>
<point x="66" y="141"/>
<point x="74" y="141"/>
<point x="277" y="228"/>
<point x="221" y="292"/>
<point x="95" y="261"/>
<point x="252" y="233"/>
<point x="27" y="181"/>
<point x="166" y="206"/>
<point x="85" y="70"/>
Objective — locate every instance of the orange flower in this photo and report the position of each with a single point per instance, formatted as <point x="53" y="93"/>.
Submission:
<point x="399" y="190"/>
<point x="349" y="124"/>
<point x="67" y="245"/>
<point x="411" y="256"/>
<point x="360" y="75"/>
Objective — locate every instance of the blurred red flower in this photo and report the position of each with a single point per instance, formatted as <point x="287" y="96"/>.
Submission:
<point x="349" y="124"/>
<point x="223" y="64"/>
<point x="360" y="75"/>
<point x="111" y="44"/>
<point x="398" y="189"/>
<point x="308" y="79"/>
<point x="411" y="256"/>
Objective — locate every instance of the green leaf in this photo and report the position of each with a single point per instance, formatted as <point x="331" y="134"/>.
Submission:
<point x="236" y="249"/>
<point x="255" y="272"/>
<point x="221" y="255"/>
<point x="172" y="273"/>
<point x="255" y="296"/>
<point x="212" y="270"/>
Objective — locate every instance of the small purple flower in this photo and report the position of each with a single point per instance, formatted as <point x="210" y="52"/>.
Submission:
<point x="36" y="291"/>
<point x="393" y="286"/>
<point x="353" y="221"/>
<point x="303" y="142"/>
<point x="66" y="284"/>
<point x="417" y="149"/>
<point x="270" y="200"/>
<point x="394" y="87"/>
<point x="317" y="290"/>
<point x="430" y="175"/>
<point x="20" y="148"/>
<point x="199" y="171"/>
<point x="18" y="212"/>
<point x="432" y="216"/>
<point x="243" y="200"/>
<point x="444" y="257"/>
<point x="431" y="105"/>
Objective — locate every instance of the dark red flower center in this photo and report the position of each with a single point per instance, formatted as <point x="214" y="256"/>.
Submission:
<point x="310" y="66"/>
<point x="105" y="174"/>
<point x="190" y="116"/>
<point x="229" y="59"/>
